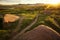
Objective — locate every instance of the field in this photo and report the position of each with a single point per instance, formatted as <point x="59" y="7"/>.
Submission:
<point x="30" y="16"/>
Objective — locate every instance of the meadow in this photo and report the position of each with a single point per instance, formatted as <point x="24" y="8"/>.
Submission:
<point x="30" y="16"/>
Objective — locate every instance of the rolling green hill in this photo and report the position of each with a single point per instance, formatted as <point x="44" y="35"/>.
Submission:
<point x="31" y="15"/>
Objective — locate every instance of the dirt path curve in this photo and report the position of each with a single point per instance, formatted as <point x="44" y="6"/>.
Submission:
<point x="18" y="27"/>
<point x="28" y="27"/>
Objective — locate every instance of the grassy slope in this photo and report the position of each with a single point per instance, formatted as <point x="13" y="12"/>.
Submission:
<point x="29" y="12"/>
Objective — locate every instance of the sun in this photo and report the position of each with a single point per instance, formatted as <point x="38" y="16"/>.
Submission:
<point x="54" y="1"/>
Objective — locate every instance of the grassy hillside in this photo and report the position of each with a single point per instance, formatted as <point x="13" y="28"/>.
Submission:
<point x="36" y="14"/>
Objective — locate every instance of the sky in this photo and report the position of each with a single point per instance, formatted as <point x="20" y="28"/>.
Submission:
<point x="27" y="1"/>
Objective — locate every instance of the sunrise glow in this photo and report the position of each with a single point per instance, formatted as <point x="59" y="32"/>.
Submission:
<point x="54" y="2"/>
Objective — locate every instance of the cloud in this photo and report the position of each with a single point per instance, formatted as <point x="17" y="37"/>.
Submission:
<point x="10" y="1"/>
<point x="26" y="1"/>
<point x="22" y="1"/>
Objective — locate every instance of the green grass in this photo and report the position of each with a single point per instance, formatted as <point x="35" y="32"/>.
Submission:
<point x="51" y="20"/>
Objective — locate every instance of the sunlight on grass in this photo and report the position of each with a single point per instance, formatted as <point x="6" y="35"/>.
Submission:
<point x="29" y="16"/>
